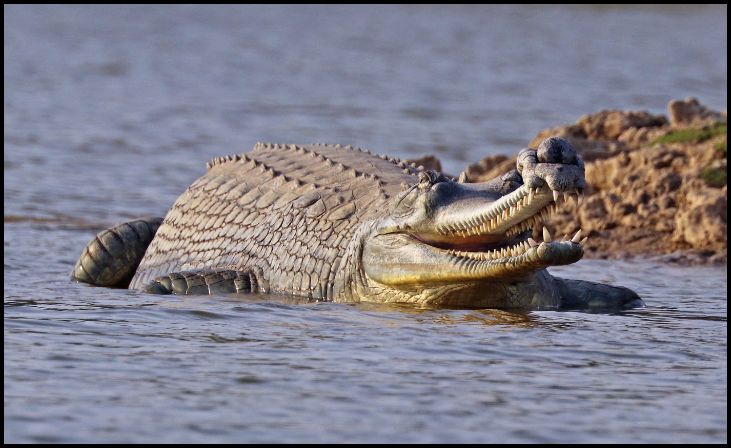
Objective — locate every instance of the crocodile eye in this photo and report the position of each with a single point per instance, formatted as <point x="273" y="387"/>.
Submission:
<point x="429" y="178"/>
<point x="425" y="180"/>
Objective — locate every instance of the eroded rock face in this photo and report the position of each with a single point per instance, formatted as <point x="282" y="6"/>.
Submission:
<point x="689" y="112"/>
<point x="428" y="162"/>
<point x="643" y="197"/>
<point x="701" y="221"/>
<point x="489" y="168"/>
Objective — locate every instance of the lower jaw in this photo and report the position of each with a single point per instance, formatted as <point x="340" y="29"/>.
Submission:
<point x="401" y="261"/>
<point x="532" y="291"/>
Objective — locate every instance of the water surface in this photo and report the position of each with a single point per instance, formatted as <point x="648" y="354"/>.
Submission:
<point x="111" y="112"/>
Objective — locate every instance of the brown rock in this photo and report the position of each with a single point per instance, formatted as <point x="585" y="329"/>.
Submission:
<point x="428" y="162"/>
<point x="611" y="124"/>
<point x="642" y="198"/>
<point x="489" y="168"/>
<point x="690" y="112"/>
<point x="702" y="220"/>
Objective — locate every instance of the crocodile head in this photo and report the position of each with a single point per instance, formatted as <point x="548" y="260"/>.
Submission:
<point x="459" y="243"/>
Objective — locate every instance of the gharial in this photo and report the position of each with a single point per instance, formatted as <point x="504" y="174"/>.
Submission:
<point x="333" y="223"/>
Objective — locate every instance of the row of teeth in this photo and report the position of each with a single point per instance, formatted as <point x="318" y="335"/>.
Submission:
<point x="542" y="216"/>
<point x="578" y="196"/>
<point x="517" y="249"/>
<point x="494" y="218"/>
<point x="534" y="222"/>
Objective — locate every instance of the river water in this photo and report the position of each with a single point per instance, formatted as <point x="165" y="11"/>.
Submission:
<point x="110" y="112"/>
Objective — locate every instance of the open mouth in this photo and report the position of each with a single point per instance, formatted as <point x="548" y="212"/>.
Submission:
<point x="466" y="252"/>
<point x="511" y="228"/>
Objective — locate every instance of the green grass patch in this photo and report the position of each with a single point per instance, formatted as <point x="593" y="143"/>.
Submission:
<point x="721" y="147"/>
<point x="714" y="177"/>
<point x="697" y="135"/>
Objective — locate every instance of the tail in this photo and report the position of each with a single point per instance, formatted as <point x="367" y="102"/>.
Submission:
<point x="112" y="257"/>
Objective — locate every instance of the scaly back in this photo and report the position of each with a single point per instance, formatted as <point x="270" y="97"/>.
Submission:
<point x="283" y="212"/>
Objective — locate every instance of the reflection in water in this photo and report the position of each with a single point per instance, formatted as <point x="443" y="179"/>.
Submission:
<point x="450" y="316"/>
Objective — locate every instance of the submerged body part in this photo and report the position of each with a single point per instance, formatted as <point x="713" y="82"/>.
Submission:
<point x="334" y="223"/>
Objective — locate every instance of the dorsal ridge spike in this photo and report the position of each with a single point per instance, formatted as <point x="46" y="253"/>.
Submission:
<point x="223" y="159"/>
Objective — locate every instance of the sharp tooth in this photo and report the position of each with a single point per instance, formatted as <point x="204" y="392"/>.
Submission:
<point x="577" y="237"/>
<point x="566" y="196"/>
<point x="555" y="196"/>
<point x="512" y="209"/>
<point x="462" y="177"/>
<point x="532" y="242"/>
<point x="565" y="238"/>
<point x="530" y="194"/>
<point x="582" y="242"/>
<point x="546" y="235"/>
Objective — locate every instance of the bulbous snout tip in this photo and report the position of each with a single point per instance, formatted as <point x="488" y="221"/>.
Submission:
<point x="557" y="150"/>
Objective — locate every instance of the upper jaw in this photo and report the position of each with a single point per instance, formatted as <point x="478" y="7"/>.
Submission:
<point x="499" y="231"/>
<point x="507" y="216"/>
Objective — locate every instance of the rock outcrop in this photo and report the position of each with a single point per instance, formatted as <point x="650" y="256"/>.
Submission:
<point x="655" y="186"/>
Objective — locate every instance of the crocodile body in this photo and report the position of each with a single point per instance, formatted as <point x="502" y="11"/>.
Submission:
<point x="285" y="213"/>
<point x="333" y="223"/>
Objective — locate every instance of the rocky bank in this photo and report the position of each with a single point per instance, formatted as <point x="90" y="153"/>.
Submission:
<point x="656" y="185"/>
